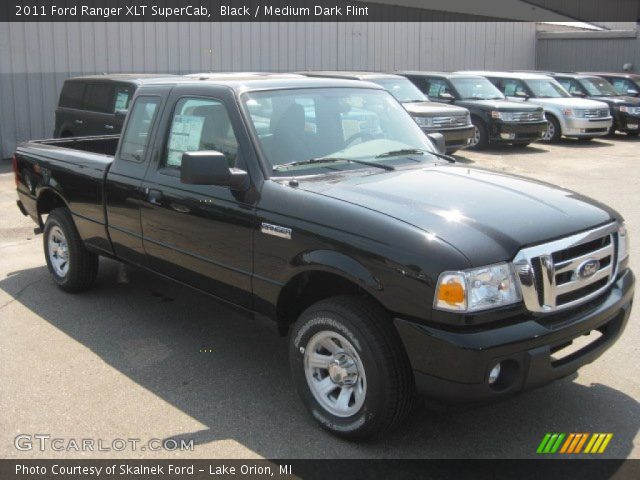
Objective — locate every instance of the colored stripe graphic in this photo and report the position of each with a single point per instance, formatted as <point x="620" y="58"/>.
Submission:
<point x="573" y="443"/>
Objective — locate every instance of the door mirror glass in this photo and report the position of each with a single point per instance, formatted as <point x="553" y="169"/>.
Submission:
<point x="209" y="167"/>
<point x="520" y="94"/>
<point x="446" y="96"/>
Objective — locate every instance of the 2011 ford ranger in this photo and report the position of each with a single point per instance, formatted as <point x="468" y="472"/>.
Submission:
<point x="320" y="203"/>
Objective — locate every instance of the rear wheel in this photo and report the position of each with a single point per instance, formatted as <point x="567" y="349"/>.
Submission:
<point x="71" y="265"/>
<point x="553" y="132"/>
<point x="350" y="368"/>
<point x="480" y="138"/>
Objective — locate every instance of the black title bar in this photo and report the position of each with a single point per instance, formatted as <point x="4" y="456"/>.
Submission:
<point x="310" y="10"/>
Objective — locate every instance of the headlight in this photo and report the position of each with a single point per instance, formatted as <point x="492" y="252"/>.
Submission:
<point x="477" y="289"/>
<point x="502" y="115"/>
<point x="624" y="108"/>
<point x="424" y="121"/>
<point x="623" y="243"/>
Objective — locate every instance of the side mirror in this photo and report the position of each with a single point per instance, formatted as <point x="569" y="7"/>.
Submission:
<point x="632" y="92"/>
<point x="121" y="114"/>
<point x="438" y="141"/>
<point x="209" y="167"/>
<point x="521" y="94"/>
<point x="446" y="96"/>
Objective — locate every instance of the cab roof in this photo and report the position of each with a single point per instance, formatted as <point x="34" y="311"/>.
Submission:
<point x="614" y="74"/>
<point x="139" y="78"/>
<point x="252" y="81"/>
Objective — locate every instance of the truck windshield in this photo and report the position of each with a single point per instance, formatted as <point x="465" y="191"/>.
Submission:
<point x="598" y="87"/>
<point x="336" y="124"/>
<point x="476" y="88"/>
<point x="543" y="88"/>
<point x="403" y="89"/>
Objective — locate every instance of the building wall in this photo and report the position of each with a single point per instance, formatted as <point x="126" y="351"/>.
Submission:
<point x="588" y="54"/>
<point x="35" y="58"/>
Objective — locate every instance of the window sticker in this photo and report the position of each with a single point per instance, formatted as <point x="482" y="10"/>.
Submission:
<point x="122" y="100"/>
<point x="186" y="133"/>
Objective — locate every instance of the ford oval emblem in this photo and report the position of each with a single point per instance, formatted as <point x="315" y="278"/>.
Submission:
<point x="588" y="268"/>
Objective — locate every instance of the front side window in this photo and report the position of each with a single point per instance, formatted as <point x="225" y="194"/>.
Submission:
<point x="341" y="124"/>
<point x="572" y="86"/>
<point x="437" y="87"/>
<point x="123" y="97"/>
<point x="402" y="89"/>
<point x="476" y="88"/>
<point x="136" y="135"/>
<point x="200" y="124"/>
<point x="543" y="88"/>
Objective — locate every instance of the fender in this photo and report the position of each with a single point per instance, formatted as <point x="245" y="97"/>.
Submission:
<point x="338" y="263"/>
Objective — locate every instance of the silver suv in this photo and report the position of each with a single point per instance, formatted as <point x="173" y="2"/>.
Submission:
<point x="567" y="116"/>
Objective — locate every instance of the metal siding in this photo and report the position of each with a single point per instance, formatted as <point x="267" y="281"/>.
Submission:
<point x="35" y="58"/>
<point x="607" y="54"/>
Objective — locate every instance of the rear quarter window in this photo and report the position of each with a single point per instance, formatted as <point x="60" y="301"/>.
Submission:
<point x="98" y="97"/>
<point x="72" y="94"/>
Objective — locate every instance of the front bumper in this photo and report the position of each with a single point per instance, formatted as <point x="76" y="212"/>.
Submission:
<point x="627" y="123"/>
<point x="586" y="127"/>
<point x="454" y="366"/>
<point x="454" y="138"/>
<point x="510" y="132"/>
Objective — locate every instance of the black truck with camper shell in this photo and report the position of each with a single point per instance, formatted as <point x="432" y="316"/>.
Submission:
<point x="321" y="204"/>
<point x="96" y="104"/>
<point x="496" y="120"/>
<point x="453" y="122"/>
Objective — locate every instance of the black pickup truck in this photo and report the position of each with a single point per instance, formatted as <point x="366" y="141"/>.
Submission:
<point x="321" y="204"/>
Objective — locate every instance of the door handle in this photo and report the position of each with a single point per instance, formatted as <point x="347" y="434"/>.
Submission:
<point x="180" y="208"/>
<point x="79" y="122"/>
<point x="109" y="127"/>
<point x="154" y="196"/>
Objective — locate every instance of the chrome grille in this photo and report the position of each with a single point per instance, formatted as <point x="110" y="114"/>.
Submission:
<point x="527" y="116"/>
<point x="569" y="271"/>
<point x="595" y="112"/>
<point x="452" y="121"/>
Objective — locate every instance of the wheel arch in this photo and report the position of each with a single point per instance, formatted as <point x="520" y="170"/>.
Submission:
<point x="319" y="275"/>
<point x="49" y="199"/>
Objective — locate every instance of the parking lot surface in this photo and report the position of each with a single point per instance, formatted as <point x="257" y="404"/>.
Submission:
<point x="150" y="359"/>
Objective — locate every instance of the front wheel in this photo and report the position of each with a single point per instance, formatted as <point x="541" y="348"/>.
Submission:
<point x="350" y="368"/>
<point x="553" y="132"/>
<point x="71" y="265"/>
<point x="480" y="138"/>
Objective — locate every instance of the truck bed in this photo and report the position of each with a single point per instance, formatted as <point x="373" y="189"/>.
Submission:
<point x="72" y="169"/>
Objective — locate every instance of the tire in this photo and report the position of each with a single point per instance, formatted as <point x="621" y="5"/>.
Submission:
<point x="554" y="132"/>
<point x="369" y="366"/>
<point x="480" y="138"/>
<point x="62" y="241"/>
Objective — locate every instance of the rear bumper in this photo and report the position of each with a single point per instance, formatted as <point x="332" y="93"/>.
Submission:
<point x="509" y="132"/>
<point x="585" y="127"/>
<point x="454" y="366"/>
<point x="454" y="138"/>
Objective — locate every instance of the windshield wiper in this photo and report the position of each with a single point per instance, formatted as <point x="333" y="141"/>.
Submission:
<point x="311" y="161"/>
<point x="415" y="151"/>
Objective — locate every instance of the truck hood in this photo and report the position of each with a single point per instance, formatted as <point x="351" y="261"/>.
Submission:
<point x="502" y="105"/>
<point x="420" y="109"/>
<point x="569" y="102"/>
<point x="487" y="216"/>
